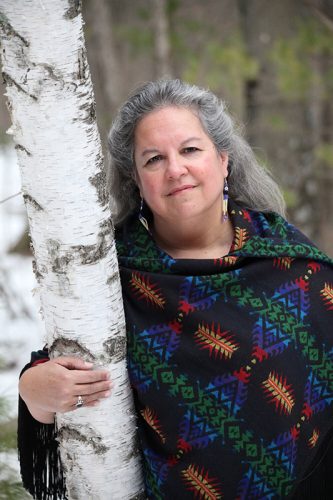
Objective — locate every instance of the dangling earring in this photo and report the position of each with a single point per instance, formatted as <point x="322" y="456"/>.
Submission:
<point x="142" y="218"/>
<point x="225" y="201"/>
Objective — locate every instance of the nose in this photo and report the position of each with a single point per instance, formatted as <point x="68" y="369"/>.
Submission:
<point x="176" y="166"/>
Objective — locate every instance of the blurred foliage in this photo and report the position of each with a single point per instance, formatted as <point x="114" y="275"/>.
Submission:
<point x="10" y="485"/>
<point x="139" y="40"/>
<point x="293" y="59"/>
<point x="7" y="429"/>
<point x="10" y="488"/>
<point x="278" y="122"/>
<point x="227" y="65"/>
<point x="291" y="198"/>
<point x="324" y="153"/>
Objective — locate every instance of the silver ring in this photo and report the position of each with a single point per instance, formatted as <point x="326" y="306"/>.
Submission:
<point x="80" y="402"/>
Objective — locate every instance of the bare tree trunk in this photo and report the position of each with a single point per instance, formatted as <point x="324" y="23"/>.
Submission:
<point x="100" y="19"/>
<point x="53" y="124"/>
<point x="162" y="41"/>
<point x="250" y="104"/>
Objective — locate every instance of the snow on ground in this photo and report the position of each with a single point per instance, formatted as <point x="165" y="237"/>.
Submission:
<point x="21" y="329"/>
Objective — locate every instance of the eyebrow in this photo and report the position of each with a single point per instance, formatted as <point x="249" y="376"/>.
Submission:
<point x="153" y="150"/>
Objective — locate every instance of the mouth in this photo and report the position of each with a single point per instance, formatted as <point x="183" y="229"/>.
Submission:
<point x="180" y="189"/>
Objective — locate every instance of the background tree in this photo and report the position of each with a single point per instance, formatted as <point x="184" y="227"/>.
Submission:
<point x="50" y="97"/>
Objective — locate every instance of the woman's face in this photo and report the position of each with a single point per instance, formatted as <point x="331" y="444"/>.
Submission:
<point x="179" y="172"/>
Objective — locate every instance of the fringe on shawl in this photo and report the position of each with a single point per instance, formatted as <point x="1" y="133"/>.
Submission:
<point x="39" y="457"/>
<point x="318" y="483"/>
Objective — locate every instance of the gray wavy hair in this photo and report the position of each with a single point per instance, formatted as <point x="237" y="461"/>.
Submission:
<point x="250" y="185"/>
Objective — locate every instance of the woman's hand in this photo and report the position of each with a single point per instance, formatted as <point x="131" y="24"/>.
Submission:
<point x="54" y="386"/>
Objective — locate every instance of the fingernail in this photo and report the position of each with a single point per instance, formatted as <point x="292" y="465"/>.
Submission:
<point x="88" y="363"/>
<point x="107" y="394"/>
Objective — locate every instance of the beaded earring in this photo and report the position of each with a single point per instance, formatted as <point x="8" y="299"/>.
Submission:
<point x="225" y="201"/>
<point x="142" y="218"/>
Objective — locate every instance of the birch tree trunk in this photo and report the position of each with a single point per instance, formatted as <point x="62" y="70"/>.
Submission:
<point x="51" y="101"/>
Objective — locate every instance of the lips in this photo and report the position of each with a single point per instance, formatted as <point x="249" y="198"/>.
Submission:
<point x="180" y="189"/>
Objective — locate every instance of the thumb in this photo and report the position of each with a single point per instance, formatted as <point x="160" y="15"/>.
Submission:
<point x="72" y="363"/>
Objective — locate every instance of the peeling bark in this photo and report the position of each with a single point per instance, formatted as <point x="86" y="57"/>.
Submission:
<point x="50" y="97"/>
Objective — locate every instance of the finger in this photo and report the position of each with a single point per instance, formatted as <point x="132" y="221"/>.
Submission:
<point x="73" y="363"/>
<point x="90" y="377"/>
<point x="89" y="389"/>
<point x="87" y="405"/>
<point x="92" y="398"/>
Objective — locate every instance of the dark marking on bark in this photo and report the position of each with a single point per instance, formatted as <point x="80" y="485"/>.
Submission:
<point x="140" y="496"/>
<point x="29" y="199"/>
<point x="19" y="147"/>
<point x="9" y="31"/>
<point x="82" y="254"/>
<point x="89" y="109"/>
<point x="73" y="491"/>
<point x="59" y="262"/>
<point x="116" y="349"/>
<point x="90" y="254"/>
<point x="74" y="9"/>
<point x="135" y="451"/>
<point x="89" y="438"/>
<point x="114" y="277"/>
<point x="62" y="346"/>
<point x="38" y="275"/>
<point x="99" y="182"/>
<point x="8" y="80"/>
<point x="91" y="113"/>
<point x="51" y="72"/>
<point x="82" y="64"/>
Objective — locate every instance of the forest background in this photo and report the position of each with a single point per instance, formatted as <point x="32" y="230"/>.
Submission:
<point x="271" y="61"/>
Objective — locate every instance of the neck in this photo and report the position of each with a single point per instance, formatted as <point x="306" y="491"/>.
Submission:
<point x="199" y="240"/>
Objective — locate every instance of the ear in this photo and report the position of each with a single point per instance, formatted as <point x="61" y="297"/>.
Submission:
<point x="224" y="158"/>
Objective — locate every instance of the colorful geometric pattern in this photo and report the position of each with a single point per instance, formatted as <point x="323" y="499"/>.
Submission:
<point x="279" y="393"/>
<point x="203" y="486"/>
<point x="230" y="360"/>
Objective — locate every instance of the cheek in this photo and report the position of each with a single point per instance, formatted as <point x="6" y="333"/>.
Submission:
<point x="148" y="186"/>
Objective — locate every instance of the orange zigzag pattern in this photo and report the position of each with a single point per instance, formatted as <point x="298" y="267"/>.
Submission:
<point x="201" y="484"/>
<point x="219" y="343"/>
<point x="228" y="260"/>
<point x="314" y="438"/>
<point x="283" y="263"/>
<point x="279" y="393"/>
<point x="146" y="289"/>
<point x="241" y="235"/>
<point x="327" y="296"/>
<point x="151" y="418"/>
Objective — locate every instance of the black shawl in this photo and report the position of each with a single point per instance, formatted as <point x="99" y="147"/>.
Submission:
<point x="231" y="364"/>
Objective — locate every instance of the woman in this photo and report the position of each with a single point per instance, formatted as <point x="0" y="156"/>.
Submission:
<point x="228" y="311"/>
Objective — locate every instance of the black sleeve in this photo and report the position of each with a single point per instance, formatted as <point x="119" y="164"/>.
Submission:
<point x="38" y="450"/>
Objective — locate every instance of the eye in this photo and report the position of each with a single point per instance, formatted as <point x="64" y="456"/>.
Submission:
<point x="190" y="149"/>
<point x="154" y="159"/>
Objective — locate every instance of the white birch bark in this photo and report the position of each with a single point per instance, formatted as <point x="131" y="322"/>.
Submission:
<point x="50" y="97"/>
